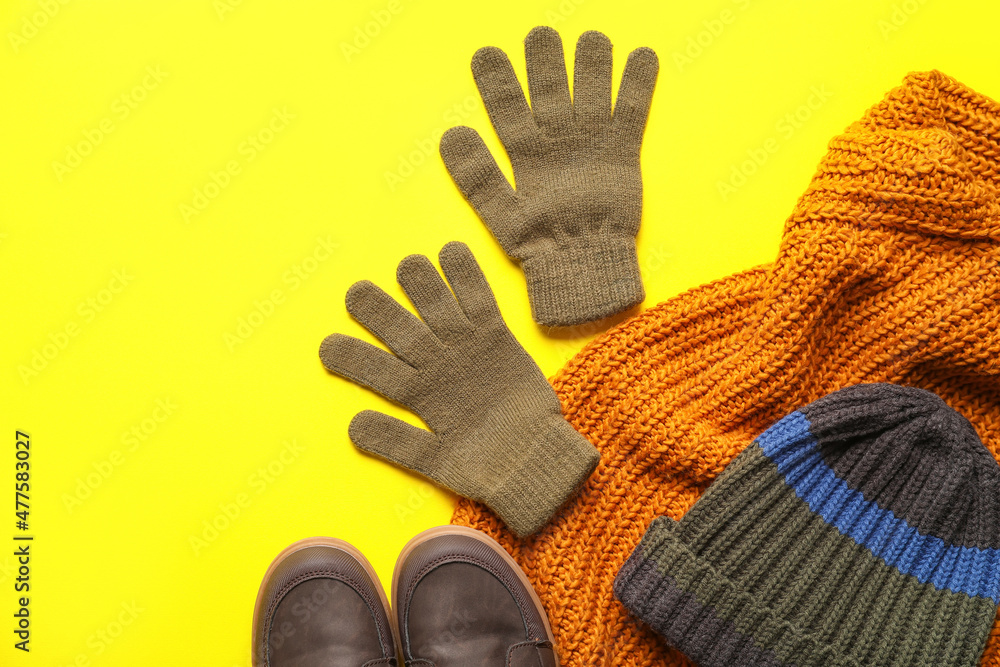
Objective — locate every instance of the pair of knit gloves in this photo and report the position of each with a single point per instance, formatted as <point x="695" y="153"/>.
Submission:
<point x="497" y="432"/>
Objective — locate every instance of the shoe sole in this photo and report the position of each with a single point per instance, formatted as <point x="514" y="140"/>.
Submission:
<point x="485" y="539"/>
<point x="323" y="542"/>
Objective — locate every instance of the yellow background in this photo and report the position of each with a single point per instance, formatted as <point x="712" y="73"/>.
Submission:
<point x="134" y="316"/>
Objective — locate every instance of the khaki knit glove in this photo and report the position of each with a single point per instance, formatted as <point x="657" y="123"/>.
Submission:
<point x="573" y="219"/>
<point x="497" y="431"/>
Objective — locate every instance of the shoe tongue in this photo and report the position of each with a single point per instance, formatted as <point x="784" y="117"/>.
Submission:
<point x="537" y="654"/>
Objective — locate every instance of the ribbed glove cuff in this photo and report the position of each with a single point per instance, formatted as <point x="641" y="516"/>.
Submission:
<point x="583" y="282"/>
<point x="550" y="470"/>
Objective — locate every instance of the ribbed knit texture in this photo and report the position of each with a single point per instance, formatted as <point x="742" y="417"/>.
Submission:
<point x="809" y="563"/>
<point x="887" y="272"/>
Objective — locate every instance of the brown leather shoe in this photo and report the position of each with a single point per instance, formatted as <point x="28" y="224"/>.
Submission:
<point x="461" y="601"/>
<point x="321" y="605"/>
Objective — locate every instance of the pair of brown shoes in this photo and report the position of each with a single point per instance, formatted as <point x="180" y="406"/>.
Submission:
<point x="459" y="600"/>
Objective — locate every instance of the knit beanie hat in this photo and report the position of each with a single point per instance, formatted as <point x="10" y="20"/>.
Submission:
<point x="863" y="529"/>
<point x="888" y="271"/>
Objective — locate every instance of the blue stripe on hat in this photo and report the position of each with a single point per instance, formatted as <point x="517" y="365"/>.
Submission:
<point x="960" y="569"/>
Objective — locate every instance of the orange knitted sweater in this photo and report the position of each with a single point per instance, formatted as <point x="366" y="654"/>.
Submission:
<point x="887" y="272"/>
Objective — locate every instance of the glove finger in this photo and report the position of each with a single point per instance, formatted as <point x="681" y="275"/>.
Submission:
<point x="401" y="443"/>
<point x="407" y="336"/>
<point x="635" y="94"/>
<point x="469" y="284"/>
<point x="368" y="365"/>
<point x="592" y="79"/>
<point x="547" y="85"/>
<point x="503" y="98"/>
<point x="477" y="175"/>
<point x="434" y="301"/>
